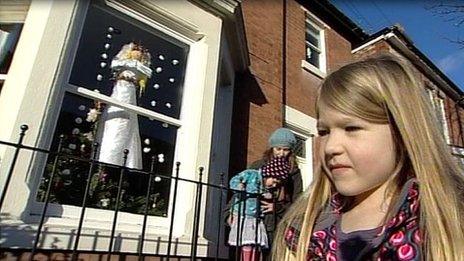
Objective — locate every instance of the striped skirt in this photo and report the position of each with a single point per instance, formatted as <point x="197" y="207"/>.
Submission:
<point x="248" y="232"/>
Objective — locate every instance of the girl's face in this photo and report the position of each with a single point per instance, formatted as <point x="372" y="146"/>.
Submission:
<point x="281" y="151"/>
<point x="358" y="156"/>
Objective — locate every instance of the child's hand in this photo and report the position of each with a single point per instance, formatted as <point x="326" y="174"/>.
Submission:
<point x="231" y="219"/>
<point x="267" y="207"/>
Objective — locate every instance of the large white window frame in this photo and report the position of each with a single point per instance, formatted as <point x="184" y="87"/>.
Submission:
<point x="194" y="133"/>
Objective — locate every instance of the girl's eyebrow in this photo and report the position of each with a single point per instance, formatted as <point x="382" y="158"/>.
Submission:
<point x="341" y="120"/>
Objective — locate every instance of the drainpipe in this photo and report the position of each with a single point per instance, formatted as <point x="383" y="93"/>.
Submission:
<point x="284" y="60"/>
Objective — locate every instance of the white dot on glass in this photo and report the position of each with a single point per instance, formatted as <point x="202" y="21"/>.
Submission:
<point x="110" y="29"/>
<point x="175" y="62"/>
<point x="156" y="86"/>
<point x="107" y="46"/>
<point x="161" y="57"/>
<point x="104" y="56"/>
<point x="153" y="103"/>
<point x="81" y="107"/>
<point x="158" y="69"/>
<point x="78" y="120"/>
<point x="157" y="179"/>
<point x="171" y="80"/>
<point x="168" y="105"/>
<point x="146" y="149"/>
<point x="72" y="146"/>
<point x="165" y="125"/>
<point x="99" y="77"/>
<point x="109" y="36"/>
<point x="147" y="141"/>
<point x="161" y="160"/>
<point x="75" y="131"/>
<point x="102" y="65"/>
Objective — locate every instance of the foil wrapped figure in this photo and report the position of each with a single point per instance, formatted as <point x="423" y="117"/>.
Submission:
<point x="119" y="129"/>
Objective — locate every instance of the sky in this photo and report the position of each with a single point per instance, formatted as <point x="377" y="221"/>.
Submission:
<point x="431" y="32"/>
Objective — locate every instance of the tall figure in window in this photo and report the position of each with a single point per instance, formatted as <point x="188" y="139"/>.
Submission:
<point x="120" y="128"/>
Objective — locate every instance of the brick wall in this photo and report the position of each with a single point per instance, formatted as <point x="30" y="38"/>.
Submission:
<point x="455" y="117"/>
<point x="454" y="114"/>
<point x="259" y="93"/>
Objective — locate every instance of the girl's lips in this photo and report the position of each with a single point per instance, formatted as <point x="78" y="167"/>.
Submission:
<point x="339" y="169"/>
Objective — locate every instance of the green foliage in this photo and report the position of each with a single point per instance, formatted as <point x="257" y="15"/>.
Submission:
<point x="70" y="181"/>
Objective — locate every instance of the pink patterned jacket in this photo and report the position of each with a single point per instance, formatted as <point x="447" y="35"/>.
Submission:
<point x="399" y="239"/>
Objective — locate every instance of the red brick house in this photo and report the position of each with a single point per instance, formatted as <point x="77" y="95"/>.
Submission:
<point x="292" y="46"/>
<point x="224" y="75"/>
<point x="445" y="95"/>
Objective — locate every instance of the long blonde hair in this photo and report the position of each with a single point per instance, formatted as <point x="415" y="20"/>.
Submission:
<point x="385" y="89"/>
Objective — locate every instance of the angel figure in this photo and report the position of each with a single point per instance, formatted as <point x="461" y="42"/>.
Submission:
<point x="119" y="128"/>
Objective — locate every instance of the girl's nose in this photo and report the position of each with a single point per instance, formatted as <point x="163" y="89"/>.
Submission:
<point x="333" y="144"/>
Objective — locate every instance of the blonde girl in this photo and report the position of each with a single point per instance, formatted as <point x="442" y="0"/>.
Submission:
<point x="387" y="187"/>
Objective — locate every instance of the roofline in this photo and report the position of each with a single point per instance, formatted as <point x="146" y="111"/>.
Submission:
<point x="343" y="24"/>
<point x="397" y="31"/>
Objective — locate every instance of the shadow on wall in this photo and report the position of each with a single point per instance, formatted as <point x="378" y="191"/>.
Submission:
<point x="247" y="91"/>
<point x="15" y="235"/>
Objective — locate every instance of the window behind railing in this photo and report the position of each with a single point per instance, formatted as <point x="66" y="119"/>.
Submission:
<point x="93" y="109"/>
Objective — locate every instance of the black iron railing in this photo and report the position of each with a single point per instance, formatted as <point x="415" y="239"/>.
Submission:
<point x="198" y="211"/>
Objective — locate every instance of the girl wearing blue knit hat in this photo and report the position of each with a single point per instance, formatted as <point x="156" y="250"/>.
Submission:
<point x="280" y="177"/>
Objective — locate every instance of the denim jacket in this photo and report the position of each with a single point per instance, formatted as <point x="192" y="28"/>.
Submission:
<point x="253" y="183"/>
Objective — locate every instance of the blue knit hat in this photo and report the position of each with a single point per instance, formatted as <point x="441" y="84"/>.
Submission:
<point x="282" y="137"/>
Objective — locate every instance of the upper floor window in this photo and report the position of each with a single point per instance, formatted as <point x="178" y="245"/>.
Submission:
<point x="9" y="35"/>
<point x="313" y="43"/>
<point x="438" y="104"/>
<point x="315" y="60"/>
<point x="12" y="16"/>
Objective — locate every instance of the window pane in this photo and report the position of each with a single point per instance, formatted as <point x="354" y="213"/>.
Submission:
<point x="9" y="35"/>
<point x="300" y="148"/>
<point x="312" y="55"/>
<point x="99" y="44"/>
<point x="312" y="35"/>
<point x="458" y="152"/>
<point x="80" y="130"/>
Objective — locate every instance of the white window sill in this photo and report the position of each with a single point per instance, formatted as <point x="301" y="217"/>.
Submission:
<point x="2" y="77"/>
<point x="61" y="236"/>
<point x="313" y="69"/>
